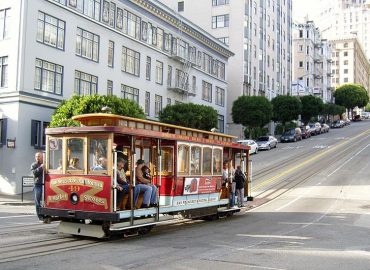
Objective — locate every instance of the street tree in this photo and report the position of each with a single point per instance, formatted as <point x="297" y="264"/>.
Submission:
<point x="311" y="106"/>
<point x="253" y="112"/>
<point x="93" y="104"/>
<point x="330" y="109"/>
<point x="351" y="95"/>
<point x="286" y="109"/>
<point x="367" y="108"/>
<point x="190" y="115"/>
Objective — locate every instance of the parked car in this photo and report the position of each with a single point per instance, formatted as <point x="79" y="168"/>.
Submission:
<point x="252" y="144"/>
<point x="266" y="142"/>
<point x="315" y="128"/>
<point x="338" y="124"/>
<point x="306" y="133"/>
<point x="346" y="122"/>
<point x="356" y="118"/>
<point x="291" y="135"/>
<point x="324" y="128"/>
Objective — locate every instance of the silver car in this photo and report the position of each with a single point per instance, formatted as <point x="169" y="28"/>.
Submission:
<point x="252" y="144"/>
<point x="266" y="142"/>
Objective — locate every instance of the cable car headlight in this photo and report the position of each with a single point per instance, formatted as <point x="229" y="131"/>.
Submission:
<point x="74" y="198"/>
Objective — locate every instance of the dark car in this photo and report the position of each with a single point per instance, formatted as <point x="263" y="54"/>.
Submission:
<point x="306" y="133"/>
<point x="324" y="128"/>
<point x="291" y="135"/>
<point x="315" y="128"/>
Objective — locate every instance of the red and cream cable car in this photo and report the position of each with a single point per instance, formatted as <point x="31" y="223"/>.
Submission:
<point x="186" y="165"/>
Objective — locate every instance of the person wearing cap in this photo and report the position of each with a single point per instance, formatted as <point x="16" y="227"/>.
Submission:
<point x="142" y="186"/>
<point x="142" y="181"/>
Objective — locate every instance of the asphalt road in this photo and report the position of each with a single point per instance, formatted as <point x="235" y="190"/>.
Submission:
<point x="316" y="216"/>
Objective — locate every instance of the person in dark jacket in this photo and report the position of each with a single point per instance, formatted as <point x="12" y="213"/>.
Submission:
<point x="37" y="169"/>
<point x="240" y="180"/>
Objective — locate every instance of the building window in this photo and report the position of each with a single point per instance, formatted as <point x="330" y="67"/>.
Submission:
<point x="159" y="72"/>
<point x="109" y="13"/>
<point x="194" y="84"/>
<point x="147" y="103"/>
<point x="206" y="91"/>
<point x="345" y="45"/>
<point x="90" y="8"/>
<point x="130" y="61"/>
<point x="133" y="24"/>
<point x="345" y="62"/>
<point x="180" y="6"/>
<point x="220" y="96"/>
<point x="48" y="77"/>
<point x="3" y="127"/>
<point x="111" y="53"/>
<point x="38" y="137"/>
<point x="300" y="48"/>
<point x="85" y="84"/>
<point x="4" y="23"/>
<point x="345" y="80"/>
<point x="158" y="105"/>
<point x="109" y="88"/>
<point x="50" y="30"/>
<point x="87" y="45"/>
<point x="3" y="71"/>
<point x="300" y="33"/>
<point x="220" y="21"/>
<point x="224" y="40"/>
<point x="130" y="93"/>
<point x="301" y="64"/>
<point x="345" y="71"/>
<point x="220" y="2"/>
<point x="169" y="76"/>
<point x="221" y="123"/>
<point x="148" y="68"/>
<point x="345" y="53"/>
<point x="207" y="60"/>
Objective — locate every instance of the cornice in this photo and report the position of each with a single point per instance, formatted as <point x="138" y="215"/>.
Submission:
<point x="181" y="23"/>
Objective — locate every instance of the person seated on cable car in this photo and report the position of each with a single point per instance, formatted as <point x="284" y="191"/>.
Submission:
<point x="122" y="183"/>
<point x="146" y="174"/>
<point x="144" y="185"/>
<point x="74" y="164"/>
<point x="102" y="164"/>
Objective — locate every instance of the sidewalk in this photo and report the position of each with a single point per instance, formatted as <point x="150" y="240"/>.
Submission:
<point x="6" y="199"/>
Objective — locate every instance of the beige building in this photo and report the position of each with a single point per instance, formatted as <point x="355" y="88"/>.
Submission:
<point x="259" y="33"/>
<point x="311" y="62"/>
<point x="350" y="64"/>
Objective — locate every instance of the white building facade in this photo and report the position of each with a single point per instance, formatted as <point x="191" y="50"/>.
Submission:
<point x="139" y="49"/>
<point x="259" y="33"/>
<point x="311" y="62"/>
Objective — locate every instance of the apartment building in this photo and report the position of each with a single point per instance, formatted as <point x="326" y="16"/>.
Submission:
<point x="350" y="63"/>
<point x="311" y="62"/>
<point x="259" y="33"/>
<point x="139" y="50"/>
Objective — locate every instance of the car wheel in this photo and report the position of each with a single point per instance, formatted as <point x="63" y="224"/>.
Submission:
<point x="275" y="145"/>
<point x="269" y="147"/>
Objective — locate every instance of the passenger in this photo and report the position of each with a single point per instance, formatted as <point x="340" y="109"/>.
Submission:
<point x="239" y="185"/>
<point x="102" y="164"/>
<point x="74" y="164"/>
<point x="231" y="181"/>
<point x="122" y="183"/>
<point x="146" y="174"/>
<point x="37" y="169"/>
<point x="143" y="185"/>
<point x="224" y="174"/>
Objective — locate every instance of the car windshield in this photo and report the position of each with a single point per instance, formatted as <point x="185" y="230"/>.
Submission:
<point x="312" y="125"/>
<point x="289" y="132"/>
<point x="264" y="138"/>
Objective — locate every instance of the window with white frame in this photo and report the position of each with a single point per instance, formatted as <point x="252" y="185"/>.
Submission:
<point x="111" y="53"/>
<point x="147" y="103"/>
<point x="4" y="23"/>
<point x="133" y="25"/>
<point x="224" y="40"/>
<point x="220" y="96"/>
<point x="206" y="91"/>
<point x="38" y="137"/>
<point x="87" y="45"/>
<point x="48" y="77"/>
<point x="3" y="71"/>
<point x="130" y="93"/>
<point x="169" y="75"/>
<point x="159" y="72"/>
<point x="180" y="6"/>
<point x="130" y="61"/>
<point x="109" y="88"/>
<point x="109" y="13"/>
<point x="148" y="68"/>
<point x="207" y="60"/>
<point x="50" y="30"/>
<point x="169" y="102"/>
<point x="90" y="8"/>
<point x="220" y="2"/>
<point x="160" y="36"/>
<point x="220" y="21"/>
<point x="158" y="105"/>
<point x="85" y="84"/>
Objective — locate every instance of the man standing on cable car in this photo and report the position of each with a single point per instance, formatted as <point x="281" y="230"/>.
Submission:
<point x="37" y="169"/>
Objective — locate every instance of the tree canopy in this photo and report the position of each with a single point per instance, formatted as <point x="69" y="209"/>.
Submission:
<point x="311" y="107"/>
<point x="286" y="108"/>
<point x="190" y="115"/>
<point x="351" y="95"/>
<point x="93" y="104"/>
<point x="333" y="109"/>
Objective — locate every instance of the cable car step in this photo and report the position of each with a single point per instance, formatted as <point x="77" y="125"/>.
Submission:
<point x="81" y="229"/>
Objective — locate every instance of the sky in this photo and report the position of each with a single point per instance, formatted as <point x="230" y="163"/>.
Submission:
<point x="303" y="7"/>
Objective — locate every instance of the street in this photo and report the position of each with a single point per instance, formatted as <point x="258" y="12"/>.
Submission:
<point x="311" y="211"/>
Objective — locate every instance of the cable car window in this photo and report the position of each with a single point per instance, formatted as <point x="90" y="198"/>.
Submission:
<point x="217" y="161"/>
<point x="75" y="155"/>
<point x="183" y="159"/>
<point x="166" y="159"/>
<point x="98" y="149"/>
<point x="207" y="161"/>
<point x="195" y="159"/>
<point x="55" y="155"/>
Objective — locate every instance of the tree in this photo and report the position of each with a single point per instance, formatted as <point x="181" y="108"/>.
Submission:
<point x="333" y="109"/>
<point x="367" y="108"/>
<point x="351" y="95"/>
<point x="311" y="106"/>
<point x="190" y="115"/>
<point x="251" y="112"/>
<point x="286" y="109"/>
<point x="93" y="104"/>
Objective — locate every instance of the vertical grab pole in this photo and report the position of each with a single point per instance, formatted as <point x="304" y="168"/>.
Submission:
<point x="43" y="181"/>
<point x="133" y="179"/>
<point x="115" y="181"/>
<point x="159" y="178"/>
